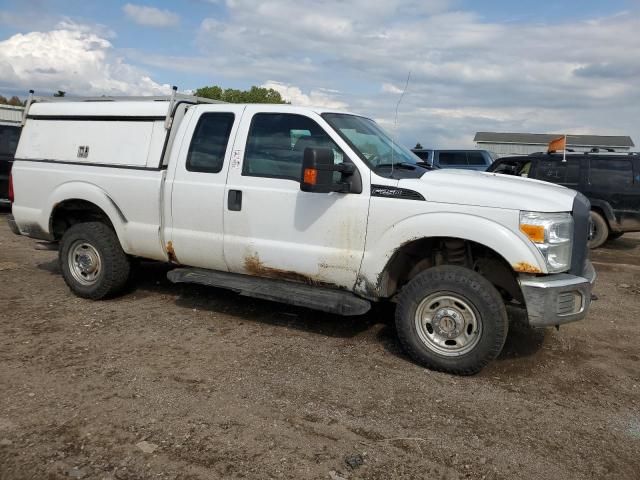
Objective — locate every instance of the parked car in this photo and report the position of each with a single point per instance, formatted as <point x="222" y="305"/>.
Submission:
<point x="9" y="134"/>
<point x="611" y="182"/>
<point x="463" y="159"/>
<point x="311" y="207"/>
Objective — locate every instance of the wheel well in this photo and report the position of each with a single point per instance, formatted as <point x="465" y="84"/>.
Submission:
<point x="603" y="214"/>
<point x="418" y="255"/>
<point x="70" y="212"/>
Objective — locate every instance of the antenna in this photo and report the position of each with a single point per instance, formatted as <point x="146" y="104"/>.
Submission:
<point x="395" y="120"/>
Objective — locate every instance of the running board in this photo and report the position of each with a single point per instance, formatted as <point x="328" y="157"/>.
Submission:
<point x="299" y="294"/>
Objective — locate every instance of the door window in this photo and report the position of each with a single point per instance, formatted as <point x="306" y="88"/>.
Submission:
<point x="423" y="156"/>
<point x="276" y="145"/>
<point x="209" y="142"/>
<point x="557" y="171"/>
<point x="452" y="158"/>
<point x="476" y="158"/>
<point x="606" y="172"/>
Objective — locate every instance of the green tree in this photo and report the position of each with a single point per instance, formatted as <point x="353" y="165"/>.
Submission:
<point x="59" y="93"/>
<point x="231" y="95"/>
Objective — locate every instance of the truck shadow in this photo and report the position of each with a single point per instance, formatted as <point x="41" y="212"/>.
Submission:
<point x="150" y="279"/>
<point x="623" y="243"/>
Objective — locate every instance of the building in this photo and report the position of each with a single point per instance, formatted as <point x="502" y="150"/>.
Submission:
<point x="524" y="143"/>
<point x="10" y="115"/>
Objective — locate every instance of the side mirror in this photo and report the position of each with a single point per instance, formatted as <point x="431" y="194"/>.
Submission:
<point x="317" y="172"/>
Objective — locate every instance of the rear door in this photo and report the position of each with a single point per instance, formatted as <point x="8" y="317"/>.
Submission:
<point x="196" y="186"/>
<point x="554" y="170"/>
<point x="272" y="228"/>
<point x="613" y="180"/>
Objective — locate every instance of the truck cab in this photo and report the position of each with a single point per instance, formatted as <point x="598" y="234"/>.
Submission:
<point x="306" y="206"/>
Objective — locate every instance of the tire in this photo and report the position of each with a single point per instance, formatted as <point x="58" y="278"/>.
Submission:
<point x="463" y="308"/>
<point x="92" y="261"/>
<point x="600" y="231"/>
<point x="614" y="235"/>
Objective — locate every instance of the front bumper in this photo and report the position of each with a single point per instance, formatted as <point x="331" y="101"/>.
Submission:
<point x="557" y="299"/>
<point x="13" y="225"/>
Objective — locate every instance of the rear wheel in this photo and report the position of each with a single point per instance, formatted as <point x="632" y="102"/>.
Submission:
<point x="599" y="230"/>
<point x="92" y="261"/>
<point x="451" y="319"/>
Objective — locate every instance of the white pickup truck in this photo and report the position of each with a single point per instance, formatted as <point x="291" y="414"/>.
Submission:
<point x="306" y="206"/>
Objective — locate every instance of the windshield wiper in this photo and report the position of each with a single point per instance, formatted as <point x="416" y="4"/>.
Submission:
<point x="404" y="165"/>
<point x="427" y="165"/>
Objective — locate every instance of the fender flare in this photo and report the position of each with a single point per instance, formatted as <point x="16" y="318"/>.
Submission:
<point x="607" y="210"/>
<point x="514" y="247"/>
<point x="91" y="193"/>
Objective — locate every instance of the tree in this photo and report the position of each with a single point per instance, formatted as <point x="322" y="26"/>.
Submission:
<point x="231" y="95"/>
<point x="15" y="101"/>
<point x="59" y="93"/>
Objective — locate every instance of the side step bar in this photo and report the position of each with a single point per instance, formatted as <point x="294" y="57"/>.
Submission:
<point x="299" y="294"/>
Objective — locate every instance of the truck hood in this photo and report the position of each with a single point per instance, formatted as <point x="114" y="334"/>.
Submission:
<point x="484" y="189"/>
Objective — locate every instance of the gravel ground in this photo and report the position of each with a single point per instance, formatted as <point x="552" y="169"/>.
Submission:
<point x="194" y="383"/>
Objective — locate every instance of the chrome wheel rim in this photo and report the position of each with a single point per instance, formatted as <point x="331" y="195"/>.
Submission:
<point x="84" y="262"/>
<point x="448" y="324"/>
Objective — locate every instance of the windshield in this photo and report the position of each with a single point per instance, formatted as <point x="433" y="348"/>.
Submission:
<point x="372" y="143"/>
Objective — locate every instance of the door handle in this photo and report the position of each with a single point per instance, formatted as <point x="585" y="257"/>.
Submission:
<point x="234" y="200"/>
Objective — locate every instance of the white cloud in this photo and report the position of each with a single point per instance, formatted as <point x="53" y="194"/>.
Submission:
<point x="71" y="59"/>
<point x="473" y="75"/>
<point x="150" y="16"/>
<point x="315" y="98"/>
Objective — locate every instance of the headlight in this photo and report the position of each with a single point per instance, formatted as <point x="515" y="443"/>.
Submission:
<point x="552" y="233"/>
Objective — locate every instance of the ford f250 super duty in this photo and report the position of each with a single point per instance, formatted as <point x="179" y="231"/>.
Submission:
<point x="311" y="207"/>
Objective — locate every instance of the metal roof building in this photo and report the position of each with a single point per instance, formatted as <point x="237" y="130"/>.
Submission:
<point x="525" y="143"/>
<point x="10" y="115"/>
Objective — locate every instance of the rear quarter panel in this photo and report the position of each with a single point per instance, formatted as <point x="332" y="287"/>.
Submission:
<point x="130" y="198"/>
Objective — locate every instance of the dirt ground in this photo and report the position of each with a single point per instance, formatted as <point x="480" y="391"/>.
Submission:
<point x="187" y="382"/>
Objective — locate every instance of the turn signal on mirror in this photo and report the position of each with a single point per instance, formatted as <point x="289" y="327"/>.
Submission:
<point x="310" y="176"/>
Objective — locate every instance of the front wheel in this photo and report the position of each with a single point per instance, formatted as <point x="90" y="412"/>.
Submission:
<point x="451" y="319"/>
<point x="599" y="230"/>
<point x="92" y="261"/>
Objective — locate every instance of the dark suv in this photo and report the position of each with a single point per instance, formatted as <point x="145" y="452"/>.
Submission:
<point x="9" y="135"/>
<point x="611" y="182"/>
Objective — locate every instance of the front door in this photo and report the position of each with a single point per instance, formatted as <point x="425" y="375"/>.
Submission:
<point x="272" y="228"/>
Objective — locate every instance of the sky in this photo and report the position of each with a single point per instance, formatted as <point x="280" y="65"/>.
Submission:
<point x="497" y="65"/>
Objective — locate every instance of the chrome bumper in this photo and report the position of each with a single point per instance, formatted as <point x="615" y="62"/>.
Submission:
<point x="13" y="225"/>
<point x="557" y="299"/>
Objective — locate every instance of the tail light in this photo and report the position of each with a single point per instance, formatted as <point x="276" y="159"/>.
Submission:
<point x="11" y="194"/>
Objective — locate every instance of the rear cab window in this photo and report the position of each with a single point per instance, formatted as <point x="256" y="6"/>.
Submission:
<point x="209" y="142"/>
